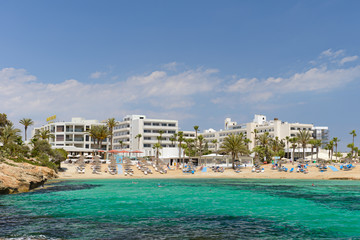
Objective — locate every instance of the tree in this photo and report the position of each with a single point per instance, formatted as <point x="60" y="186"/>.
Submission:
<point x="26" y="122"/>
<point x="196" y="128"/>
<point x="351" y="146"/>
<point x="200" y="138"/>
<point x="98" y="133"/>
<point x="111" y="123"/>
<point x="233" y="145"/>
<point x="353" y="133"/>
<point x="189" y="147"/>
<point x="331" y="148"/>
<point x="264" y="142"/>
<point x="293" y="142"/>
<point x="312" y="142"/>
<point x="139" y="137"/>
<point x="157" y="147"/>
<point x="303" y="138"/>
<point x="44" y="134"/>
<point x="287" y="139"/>
<point x="9" y="134"/>
<point x="247" y="141"/>
<point x="180" y="141"/>
<point x="318" y="143"/>
<point x="121" y="144"/>
<point x="336" y="141"/>
<point x="215" y="141"/>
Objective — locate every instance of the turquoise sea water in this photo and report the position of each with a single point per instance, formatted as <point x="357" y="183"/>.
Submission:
<point x="185" y="209"/>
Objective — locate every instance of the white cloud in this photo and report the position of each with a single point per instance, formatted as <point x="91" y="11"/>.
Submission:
<point x="348" y="59"/>
<point x="170" y="66"/>
<point x="21" y="94"/>
<point x="332" y="54"/>
<point x="97" y="75"/>
<point x="314" y="79"/>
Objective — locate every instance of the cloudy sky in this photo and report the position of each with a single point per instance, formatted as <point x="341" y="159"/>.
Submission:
<point x="195" y="61"/>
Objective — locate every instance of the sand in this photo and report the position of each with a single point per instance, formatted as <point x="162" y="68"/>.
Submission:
<point x="71" y="173"/>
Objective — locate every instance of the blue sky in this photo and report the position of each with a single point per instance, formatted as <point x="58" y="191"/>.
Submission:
<point x="195" y="61"/>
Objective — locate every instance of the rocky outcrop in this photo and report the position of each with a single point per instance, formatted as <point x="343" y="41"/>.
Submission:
<point x="22" y="177"/>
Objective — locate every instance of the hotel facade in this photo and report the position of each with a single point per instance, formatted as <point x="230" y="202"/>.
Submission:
<point x="73" y="136"/>
<point x="137" y="132"/>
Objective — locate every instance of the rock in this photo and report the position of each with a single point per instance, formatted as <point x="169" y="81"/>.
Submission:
<point x="22" y="177"/>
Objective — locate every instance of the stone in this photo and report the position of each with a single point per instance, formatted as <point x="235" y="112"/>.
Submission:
<point x="22" y="177"/>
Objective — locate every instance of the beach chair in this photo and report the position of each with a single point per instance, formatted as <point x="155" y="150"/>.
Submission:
<point x="291" y="170"/>
<point x="262" y="170"/>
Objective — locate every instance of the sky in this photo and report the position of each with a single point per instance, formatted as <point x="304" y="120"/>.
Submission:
<point x="195" y="61"/>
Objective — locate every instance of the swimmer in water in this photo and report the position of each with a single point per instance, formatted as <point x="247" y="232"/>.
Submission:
<point x="313" y="185"/>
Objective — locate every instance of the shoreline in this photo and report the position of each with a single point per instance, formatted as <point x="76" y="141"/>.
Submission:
<point x="246" y="173"/>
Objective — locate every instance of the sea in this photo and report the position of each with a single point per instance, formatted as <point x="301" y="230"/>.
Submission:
<point x="184" y="209"/>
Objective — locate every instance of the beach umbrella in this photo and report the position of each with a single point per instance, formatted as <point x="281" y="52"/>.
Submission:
<point x="97" y="162"/>
<point x="112" y="162"/>
<point x="114" y="151"/>
<point x="81" y="161"/>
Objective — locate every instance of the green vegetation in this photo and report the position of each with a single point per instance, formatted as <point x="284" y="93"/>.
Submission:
<point x="37" y="152"/>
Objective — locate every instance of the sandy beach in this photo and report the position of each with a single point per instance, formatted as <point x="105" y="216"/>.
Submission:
<point x="314" y="173"/>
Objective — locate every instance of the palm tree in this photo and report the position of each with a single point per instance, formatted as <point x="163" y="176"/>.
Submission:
<point x="215" y="141"/>
<point x="331" y="148"/>
<point x="26" y="122"/>
<point x="103" y="133"/>
<point x="287" y="139"/>
<point x="353" y="133"/>
<point x="111" y="123"/>
<point x="9" y="134"/>
<point x="351" y="146"/>
<point x="247" y="141"/>
<point x="356" y="152"/>
<point x="44" y="134"/>
<point x="98" y="133"/>
<point x="255" y="136"/>
<point x="188" y="142"/>
<point x="234" y="145"/>
<point x="318" y="143"/>
<point x="303" y="138"/>
<point x="196" y="128"/>
<point x="121" y="144"/>
<point x="336" y="141"/>
<point x="264" y="141"/>
<point x="157" y="147"/>
<point x="293" y="142"/>
<point x="201" y="141"/>
<point x="312" y="142"/>
<point x="139" y="137"/>
<point x="180" y="141"/>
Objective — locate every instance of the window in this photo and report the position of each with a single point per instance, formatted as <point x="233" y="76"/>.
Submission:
<point x="164" y="124"/>
<point x="147" y="131"/>
<point x="172" y="124"/>
<point x="147" y="124"/>
<point x="156" y="124"/>
<point x="171" y="131"/>
<point x="59" y="137"/>
<point x="147" y="145"/>
<point x="147" y="138"/>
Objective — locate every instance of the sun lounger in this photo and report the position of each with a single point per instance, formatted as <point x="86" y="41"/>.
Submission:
<point x="291" y="170"/>
<point x="333" y="168"/>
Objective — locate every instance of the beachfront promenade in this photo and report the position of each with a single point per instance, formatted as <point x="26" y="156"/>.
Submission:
<point x="313" y="173"/>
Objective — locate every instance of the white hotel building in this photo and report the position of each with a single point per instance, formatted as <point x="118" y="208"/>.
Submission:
<point x="275" y="128"/>
<point x="72" y="136"/>
<point x="149" y="129"/>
